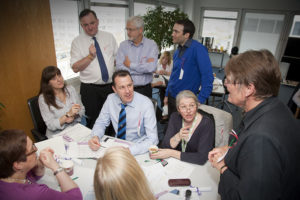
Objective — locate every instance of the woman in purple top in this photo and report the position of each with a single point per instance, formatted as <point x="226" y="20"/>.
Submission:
<point x="20" y="168"/>
<point x="190" y="134"/>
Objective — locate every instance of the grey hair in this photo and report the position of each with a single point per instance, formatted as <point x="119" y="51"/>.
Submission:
<point x="137" y="21"/>
<point x="186" y="94"/>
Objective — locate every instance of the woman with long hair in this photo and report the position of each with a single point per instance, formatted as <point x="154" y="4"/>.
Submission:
<point x="59" y="104"/>
<point x="165" y="64"/>
<point x="118" y="176"/>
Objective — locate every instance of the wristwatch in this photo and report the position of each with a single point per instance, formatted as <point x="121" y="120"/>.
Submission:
<point x="67" y="115"/>
<point x="57" y="171"/>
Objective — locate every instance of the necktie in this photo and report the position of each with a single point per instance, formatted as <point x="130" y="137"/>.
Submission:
<point x="122" y="123"/>
<point x="101" y="61"/>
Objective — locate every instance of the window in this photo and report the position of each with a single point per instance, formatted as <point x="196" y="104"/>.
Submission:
<point x="261" y="31"/>
<point x="221" y="26"/>
<point x="65" y="25"/>
<point x="112" y="19"/>
<point x="295" y="31"/>
<point x="142" y="8"/>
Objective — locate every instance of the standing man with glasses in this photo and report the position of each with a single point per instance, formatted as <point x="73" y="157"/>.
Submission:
<point x="132" y="116"/>
<point x="93" y="54"/>
<point x="191" y="66"/>
<point x="138" y="55"/>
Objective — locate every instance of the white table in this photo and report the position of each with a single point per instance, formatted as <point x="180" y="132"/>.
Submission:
<point x="204" y="177"/>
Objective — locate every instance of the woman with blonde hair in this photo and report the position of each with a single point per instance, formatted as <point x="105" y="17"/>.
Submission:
<point x="165" y="64"/>
<point x="119" y="176"/>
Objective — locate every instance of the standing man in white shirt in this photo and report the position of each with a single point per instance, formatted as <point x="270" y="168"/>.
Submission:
<point x="93" y="54"/>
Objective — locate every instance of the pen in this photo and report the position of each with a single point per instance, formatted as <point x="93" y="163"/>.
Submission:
<point x="75" y="178"/>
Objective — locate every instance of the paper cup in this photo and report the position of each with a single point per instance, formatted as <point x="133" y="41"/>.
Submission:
<point x="153" y="149"/>
<point x="68" y="166"/>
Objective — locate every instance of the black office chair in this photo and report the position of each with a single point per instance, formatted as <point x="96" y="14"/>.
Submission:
<point x="291" y="104"/>
<point x="39" y="131"/>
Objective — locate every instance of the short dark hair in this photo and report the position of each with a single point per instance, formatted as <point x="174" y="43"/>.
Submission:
<point x="12" y="149"/>
<point x="121" y="73"/>
<point x="188" y="26"/>
<point x="257" y="67"/>
<point x="85" y="12"/>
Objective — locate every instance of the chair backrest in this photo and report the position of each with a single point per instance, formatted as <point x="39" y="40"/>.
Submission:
<point x="36" y="116"/>
<point x="291" y="104"/>
<point x="154" y="101"/>
<point x="223" y="124"/>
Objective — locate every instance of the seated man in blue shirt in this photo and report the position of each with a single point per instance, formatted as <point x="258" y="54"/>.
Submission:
<point x="131" y="114"/>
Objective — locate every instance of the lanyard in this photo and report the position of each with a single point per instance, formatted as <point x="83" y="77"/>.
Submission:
<point x="183" y="141"/>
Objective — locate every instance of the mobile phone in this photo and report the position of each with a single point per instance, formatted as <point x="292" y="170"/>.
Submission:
<point x="179" y="182"/>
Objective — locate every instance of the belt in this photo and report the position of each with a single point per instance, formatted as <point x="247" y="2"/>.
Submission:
<point x="142" y="86"/>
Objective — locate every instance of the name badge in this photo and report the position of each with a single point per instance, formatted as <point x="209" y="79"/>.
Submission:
<point x="181" y="74"/>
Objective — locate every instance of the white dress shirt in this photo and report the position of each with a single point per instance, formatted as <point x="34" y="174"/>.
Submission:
<point x="80" y="49"/>
<point x="140" y="121"/>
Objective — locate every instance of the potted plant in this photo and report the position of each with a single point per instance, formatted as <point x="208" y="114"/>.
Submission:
<point x="159" y="25"/>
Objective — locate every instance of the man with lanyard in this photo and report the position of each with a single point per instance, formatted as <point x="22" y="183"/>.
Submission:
<point x="139" y="56"/>
<point x="132" y="116"/>
<point x="191" y="66"/>
<point x="92" y="54"/>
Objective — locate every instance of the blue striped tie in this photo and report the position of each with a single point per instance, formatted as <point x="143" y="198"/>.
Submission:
<point x="103" y="68"/>
<point x="122" y="123"/>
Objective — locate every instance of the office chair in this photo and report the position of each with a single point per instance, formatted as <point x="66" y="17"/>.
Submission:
<point x="154" y="101"/>
<point x="223" y="124"/>
<point x="291" y="104"/>
<point x="39" y="131"/>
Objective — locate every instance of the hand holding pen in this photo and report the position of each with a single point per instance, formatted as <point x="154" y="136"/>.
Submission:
<point x="94" y="143"/>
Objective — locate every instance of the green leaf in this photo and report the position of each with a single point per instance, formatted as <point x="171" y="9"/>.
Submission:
<point x="159" y="25"/>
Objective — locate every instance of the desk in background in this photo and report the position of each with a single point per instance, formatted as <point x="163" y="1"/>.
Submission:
<point x="204" y="177"/>
<point x="213" y="55"/>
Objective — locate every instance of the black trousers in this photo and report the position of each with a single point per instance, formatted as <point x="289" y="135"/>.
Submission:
<point x="144" y="90"/>
<point x="93" y="97"/>
<point x="171" y="105"/>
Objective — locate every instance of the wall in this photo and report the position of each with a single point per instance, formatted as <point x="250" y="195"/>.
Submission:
<point x="27" y="46"/>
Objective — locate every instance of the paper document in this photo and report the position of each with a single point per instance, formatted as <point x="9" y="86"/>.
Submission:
<point x="113" y="142"/>
<point x="56" y="143"/>
<point x="78" y="133"/>
<point x="178" y="169"/>
<point x="82" y="150"/>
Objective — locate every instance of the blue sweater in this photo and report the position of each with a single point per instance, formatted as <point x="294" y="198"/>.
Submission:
<point x="197" y="69"/>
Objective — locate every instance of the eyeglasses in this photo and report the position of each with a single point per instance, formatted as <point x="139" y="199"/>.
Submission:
<point x="227" y="81"/>
<point x="34" y="149"/>
<point x="131" y="29"/>
<point x="186" y="108"/>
